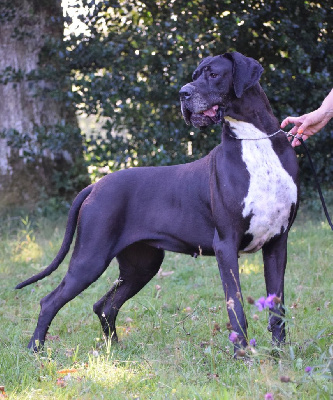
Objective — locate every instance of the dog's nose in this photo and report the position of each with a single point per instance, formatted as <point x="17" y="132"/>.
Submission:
<point x="186" y="92"/>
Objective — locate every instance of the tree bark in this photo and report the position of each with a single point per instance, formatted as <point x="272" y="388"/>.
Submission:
<point x="41" y="151"/>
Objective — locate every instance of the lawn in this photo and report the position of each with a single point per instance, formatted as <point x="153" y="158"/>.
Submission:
<point x="173" y="336"/>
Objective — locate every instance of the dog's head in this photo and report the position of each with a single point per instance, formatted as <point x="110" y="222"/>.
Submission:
<point x="216" y="81"/>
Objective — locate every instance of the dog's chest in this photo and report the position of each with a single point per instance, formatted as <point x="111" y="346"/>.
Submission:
<point x="272" y="191"/>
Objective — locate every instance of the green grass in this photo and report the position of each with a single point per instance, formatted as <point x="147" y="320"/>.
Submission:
<point x="173" y="340"/>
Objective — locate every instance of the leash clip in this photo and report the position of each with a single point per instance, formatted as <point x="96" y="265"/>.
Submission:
<point x="294" y="136"/>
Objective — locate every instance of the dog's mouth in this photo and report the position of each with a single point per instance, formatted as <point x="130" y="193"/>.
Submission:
<point x="213" y="115"/>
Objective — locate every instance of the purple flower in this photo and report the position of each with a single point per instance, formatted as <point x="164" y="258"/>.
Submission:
<point x="308" y="370"/>
<point x="233" y="337"/>
<point x="253" y="342"/>
<point x="260" y="303"/>
<point x="269" y="302"/>
<point x="269" y="396"/>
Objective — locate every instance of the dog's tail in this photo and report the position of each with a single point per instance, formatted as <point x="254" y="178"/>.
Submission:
<point x="67" y="241"/>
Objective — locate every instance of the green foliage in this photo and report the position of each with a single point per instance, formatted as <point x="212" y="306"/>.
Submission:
<point x="128" y="65"/>
<point x="49" y="141"/>
<point x="135" y="56"/>
<point x="173" y="336"/>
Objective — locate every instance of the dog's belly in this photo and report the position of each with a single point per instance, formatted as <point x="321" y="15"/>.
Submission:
<point x="272" y="191"/>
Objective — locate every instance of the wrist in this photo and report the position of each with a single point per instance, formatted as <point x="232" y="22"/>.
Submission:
<point x="327" y="106"/>
<point x="327" y="113"/>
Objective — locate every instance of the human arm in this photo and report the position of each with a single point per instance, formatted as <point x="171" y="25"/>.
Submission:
<point x="308" y="124"/>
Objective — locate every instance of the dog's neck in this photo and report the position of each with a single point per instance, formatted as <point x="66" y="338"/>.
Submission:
<point x="255" y="109"/>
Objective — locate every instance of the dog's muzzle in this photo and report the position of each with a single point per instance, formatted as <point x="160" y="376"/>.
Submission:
<point x="196" y="110"/>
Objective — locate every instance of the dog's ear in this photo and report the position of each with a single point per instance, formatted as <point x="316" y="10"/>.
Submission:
<point x="245" y="70"/>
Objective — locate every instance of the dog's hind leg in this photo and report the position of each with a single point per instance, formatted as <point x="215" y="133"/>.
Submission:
<point x="138" y="264"/>
<point x="91" y="256"/>
<point x="275" y="260"/>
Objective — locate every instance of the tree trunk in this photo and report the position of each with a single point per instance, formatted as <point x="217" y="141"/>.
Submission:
<point x="40" y="144"/>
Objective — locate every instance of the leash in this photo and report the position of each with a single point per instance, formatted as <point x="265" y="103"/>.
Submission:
<point x="316" y="178"/>
<point x="260" y="138"/>
<point x="323" y="203"/>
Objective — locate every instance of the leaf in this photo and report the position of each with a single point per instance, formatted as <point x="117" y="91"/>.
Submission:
<point x="330" y="366"/>
<point x="319" y="334"/>
<point x="166" y="273"/>
<point x="67" y="371"/>
<point x="291" y="352"/>
<point x="52" y="338"/>
<point x="3" y="394"/>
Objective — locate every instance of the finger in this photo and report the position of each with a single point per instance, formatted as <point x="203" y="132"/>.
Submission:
<point x="301" y="129"/>
<point x="285" y="122"/>
<point x="295" y="142"/>
<point x="289" y="120"/>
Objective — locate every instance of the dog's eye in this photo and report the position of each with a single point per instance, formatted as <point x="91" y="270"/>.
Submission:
<point x="212" y="75"/>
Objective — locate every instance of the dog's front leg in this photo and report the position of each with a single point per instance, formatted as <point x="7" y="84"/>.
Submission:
<point x="275" y="260"/>
<point x="226" y="252"/>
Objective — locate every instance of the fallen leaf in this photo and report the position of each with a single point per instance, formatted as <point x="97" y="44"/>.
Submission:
<point x="167" y="273"/>
<point x="229" y="326"/>
<point x="52" y="338"/>
<point x="67" y="371"/>
<point x="163" y="274"/>
<point x="240" y="353"/>
<point x="216" y="329"/>
<point x="2" y="393"/>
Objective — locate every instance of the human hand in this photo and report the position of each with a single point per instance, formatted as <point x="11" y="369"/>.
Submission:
<point x="306" y="125"/>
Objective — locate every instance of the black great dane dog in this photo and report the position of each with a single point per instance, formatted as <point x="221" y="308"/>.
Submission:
<point x="241" y="197"/>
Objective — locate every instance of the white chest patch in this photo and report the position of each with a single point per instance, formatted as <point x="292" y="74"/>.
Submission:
<point x="272" y="190"/>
